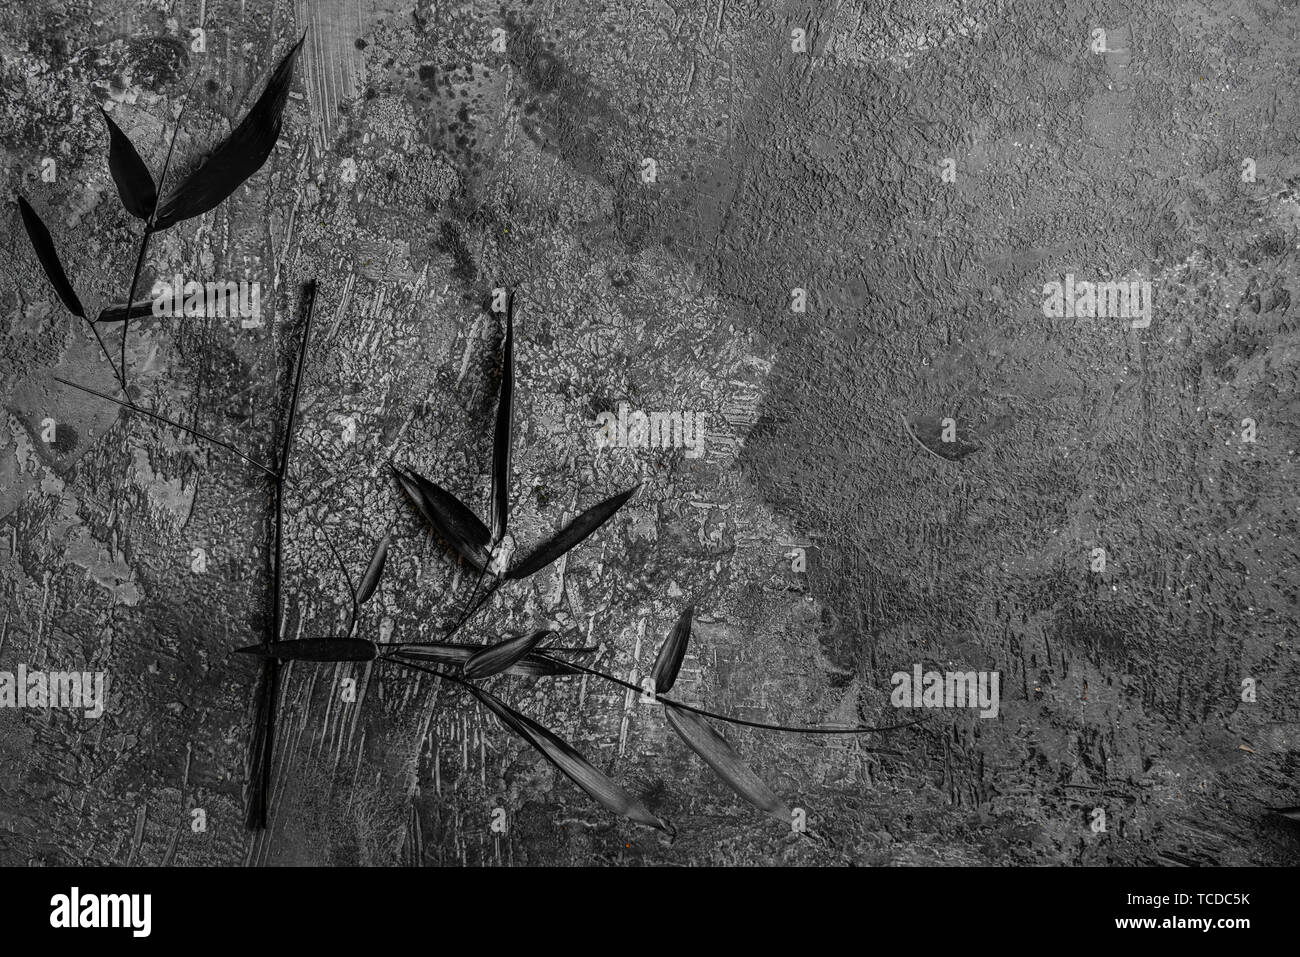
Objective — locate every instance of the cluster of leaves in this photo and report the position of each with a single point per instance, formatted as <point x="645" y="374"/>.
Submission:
<point x="223" y="170"/>
<point x="471" y="540"/>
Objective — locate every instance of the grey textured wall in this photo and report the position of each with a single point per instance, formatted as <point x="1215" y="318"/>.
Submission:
<point x="419" y="168"/>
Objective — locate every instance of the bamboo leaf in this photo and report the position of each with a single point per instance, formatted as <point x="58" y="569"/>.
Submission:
<point x="501" y="440"/>
<point x="449" y="516"/>
<point x="315" y="649"/>
<point x="135" y="185"/>
<point x="237" y="157"/>
<point x="671" y="653"/>
<point x="118" y="312"/>
<point x="720" y="756"/>
<point x="49" y="258"/>
<point x="495" y="659"/>
<point x="570" y="535"/>
<point x="574" y="766"/>
<point x="449" y="653"/>
<point x="374" y="571"/>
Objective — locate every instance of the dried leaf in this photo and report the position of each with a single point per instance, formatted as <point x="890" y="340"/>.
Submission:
<point x="370" y="580"/>
<point x="570" y="535"/>
<point x="501" y="439"/>
<point x="669" y="660"/>
<point x="720" y="756"/>
<point x="315" y="649"/>
<point x="237" y="157"/>
<point x="449" y="516"/>
<point x="118" y="312"/>
<point x="495" y="659"/>
<point x="449" y="653"/>
<point x="44" y="246"/>
<point x="575" y="767"/>
<point x="135" y="185"/>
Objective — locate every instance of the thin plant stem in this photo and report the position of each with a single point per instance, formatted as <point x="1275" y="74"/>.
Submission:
<point x="727" y="718"/>
<point x="487" y="596"/>
<point x="197" y="433"/>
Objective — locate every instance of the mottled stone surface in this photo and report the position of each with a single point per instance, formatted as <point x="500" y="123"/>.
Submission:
<point x="419" y="168"/>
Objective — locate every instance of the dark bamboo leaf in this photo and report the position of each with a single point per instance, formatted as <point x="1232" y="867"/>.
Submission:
<point x="258" y="791"/>
<point x="315" y="649"/>
<point x="570" y="535"/>
<point x="495" y="659"/>
<point x="450" y="517"/>
<point x="448" y="653"/>
<point x="370" y="580"/>
<point x="669" y="660"/>
<point x="575" y="767"/>
<point x="237" y="157"/>
<point x="501" y="440"/>
<point x="44" y="246"/>
<point x="720" y="756"/>
<point x="118" y="311"/>
<point x="1290" y="813"/>
<point x="134" y="184"/>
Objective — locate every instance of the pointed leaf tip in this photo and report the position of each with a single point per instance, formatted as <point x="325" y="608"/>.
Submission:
<point x="497" y="658"/>
<point x="671" y="654"/>
<point x="569" y="536"/>
<point x="49" y="258"/>
<point x="135" y="186"/>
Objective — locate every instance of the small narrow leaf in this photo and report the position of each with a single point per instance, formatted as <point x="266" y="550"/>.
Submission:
<point x="49" y="258"/>
<point x="449" y="653"/>
<point x="575" y="767"/>
<point x="315" y="649"/>
<point x="374" y="571"/>
<point x="501" y="440"/>
<point x="720" y="756"/>
<point x="570" y="535"/>
<point x="134" y="184"/>
<point x="118" y="312"/>
<point x="450" y="517"/>
<point x="495" y="659"/>
<point x="671" y="654"/>
<point x="1290" y="813"/>
<point x="237" y="157"/>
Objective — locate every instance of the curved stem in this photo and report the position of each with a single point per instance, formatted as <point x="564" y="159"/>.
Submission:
<point x="669" y="702"/>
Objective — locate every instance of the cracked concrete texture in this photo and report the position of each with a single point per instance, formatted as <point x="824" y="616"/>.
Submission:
<point x="419" y="169"/>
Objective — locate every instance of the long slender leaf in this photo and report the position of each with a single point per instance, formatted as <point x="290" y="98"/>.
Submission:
<point x="501" y="439"/>
<point x="575" y="767"/>
<point x="237" y="157"/>
<point x="720" y="756"/>
<point x="449" y="516"/>
<point x="671" y="653"/>
<point x="49" y="258"/>
<point x="315" y="649"/>
<point x="449" y="653"/>
<point x="135" y="185"/>
<point x="374" y="571"/>
<point x="258" y="790"/>
<point x="496" y="658"/>
<point x="570" y="535"/>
